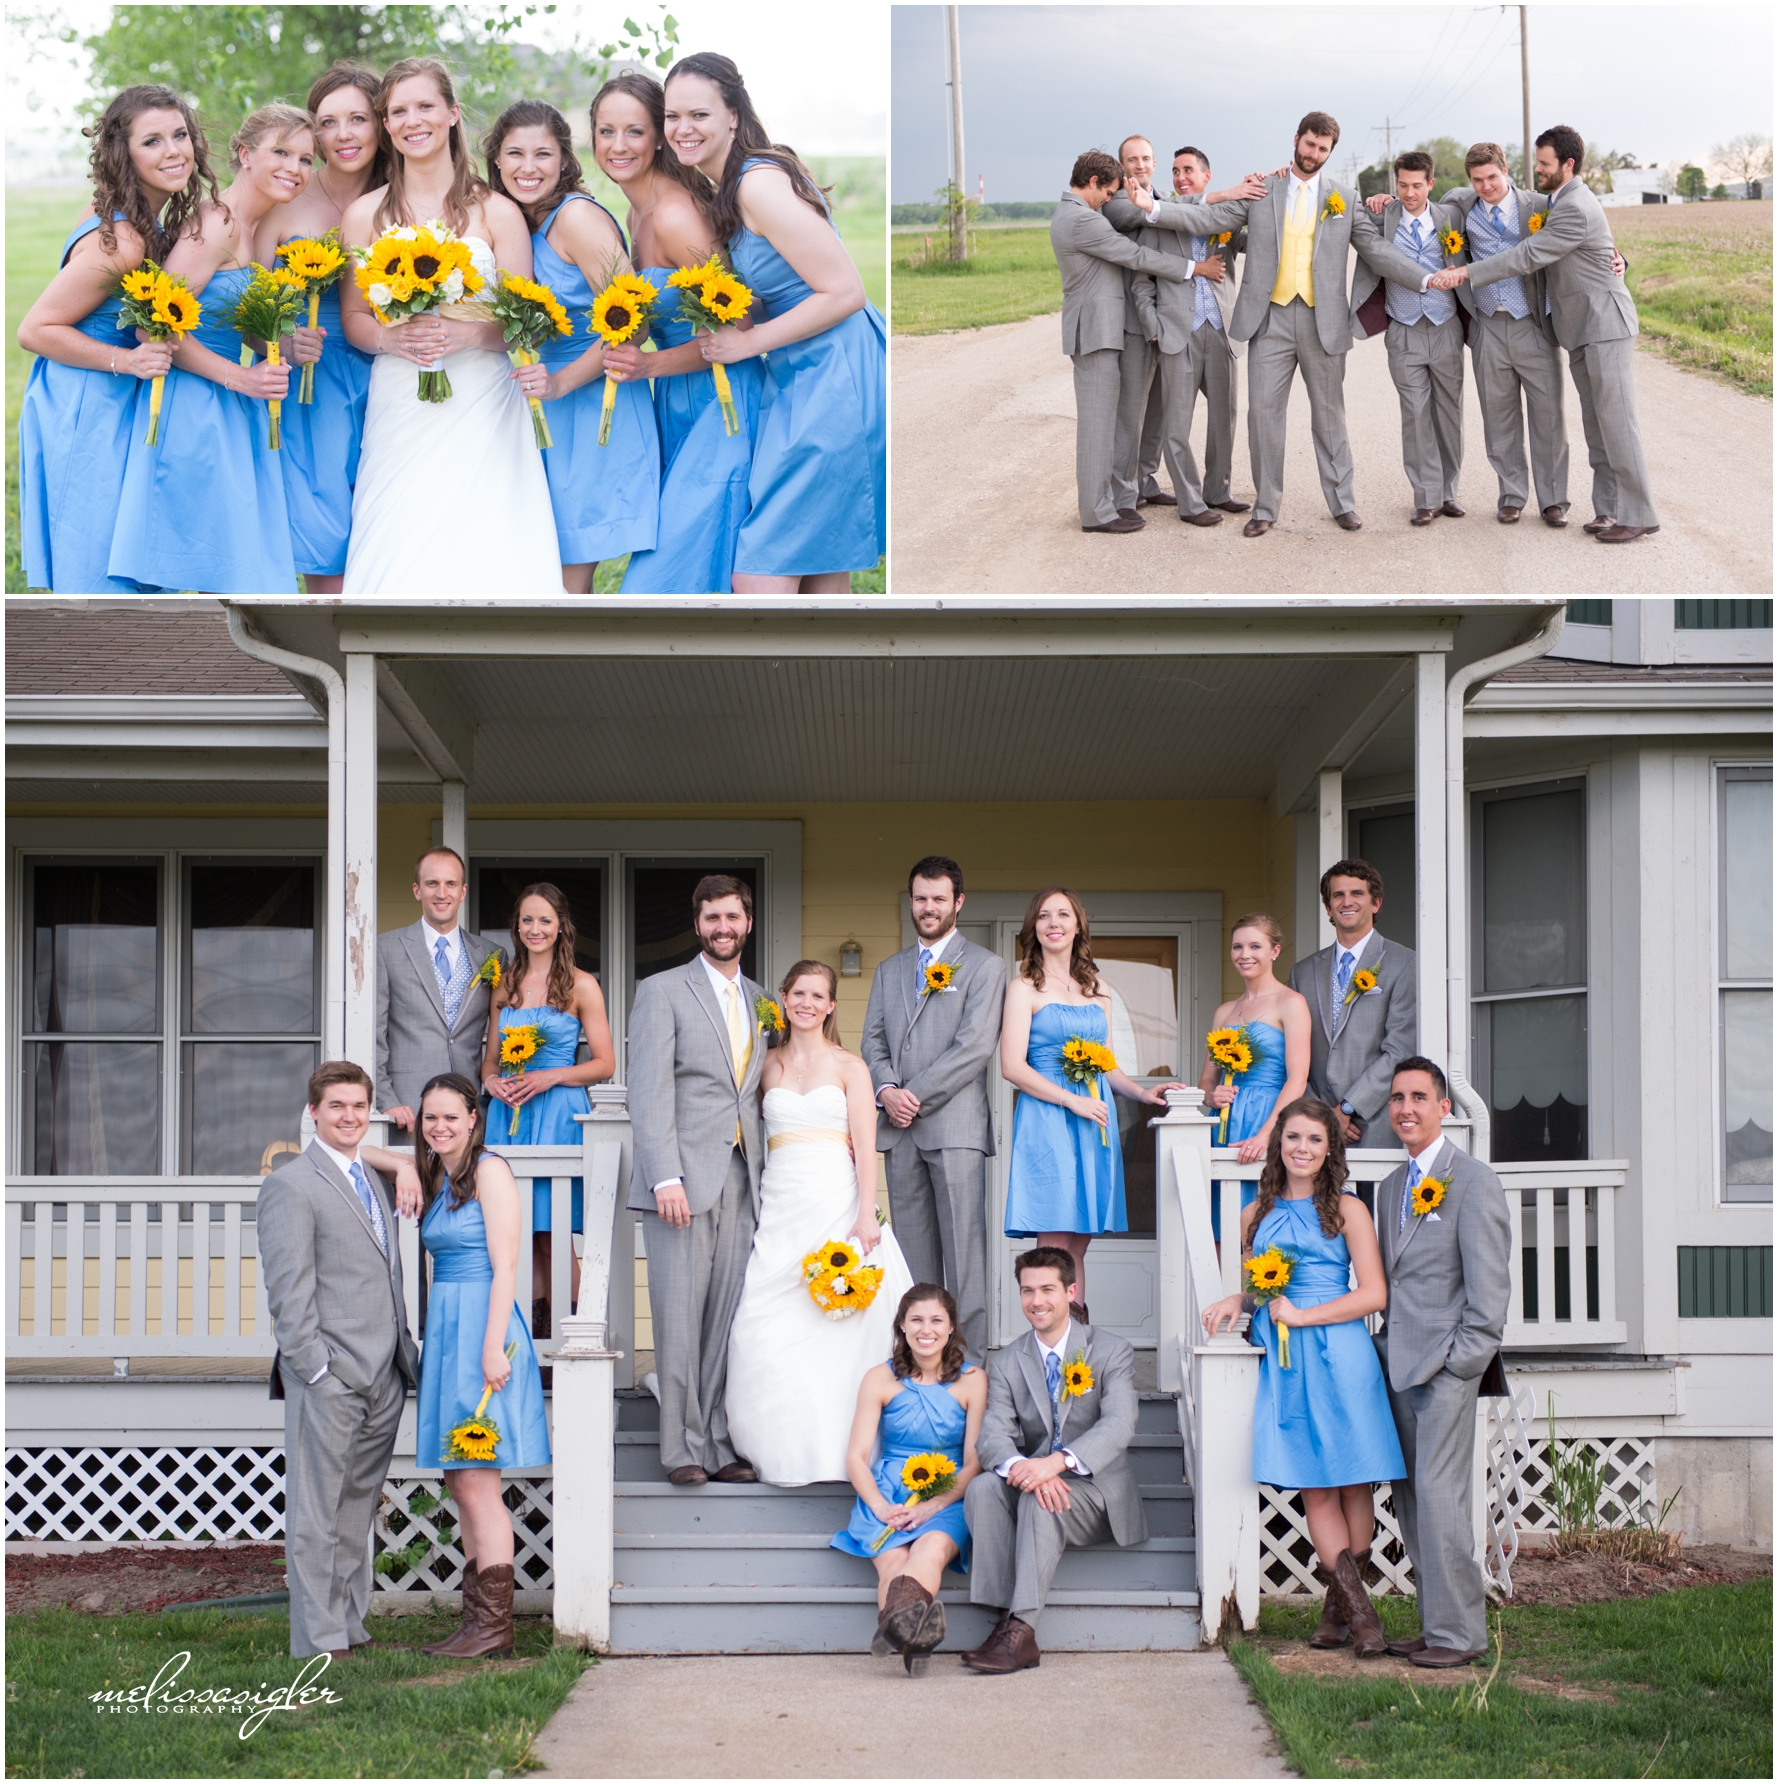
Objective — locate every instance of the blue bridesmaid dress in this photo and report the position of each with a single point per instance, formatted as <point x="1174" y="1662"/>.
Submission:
<point x="924" y="1418"/>
<point x="321" y="442"/>
<point x="74" y="441"/>
<point x="1061" y="1179"/>
<point x="606" y="498"/>
<point x="704" y="489"/>
<point x="547" y="1119"/>
<point x="820" y="466"/>
<point x="1324" y="1421"/>
<point x="1256" y="1092"/>
<point x="205" y="508"/>
<point x="451" y="1382"/>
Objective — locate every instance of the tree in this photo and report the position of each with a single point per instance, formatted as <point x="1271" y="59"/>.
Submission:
<point x="1691" y="183"/>
<point x="1599" y="165"/>
<point x="1745" y="159"/>
<point x="1719" y="190"/>
<point x="1372" y="180"/>
<point x="1447" y="161"/>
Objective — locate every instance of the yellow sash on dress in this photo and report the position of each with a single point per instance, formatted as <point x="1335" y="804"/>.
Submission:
<point x="798" y="1136"/>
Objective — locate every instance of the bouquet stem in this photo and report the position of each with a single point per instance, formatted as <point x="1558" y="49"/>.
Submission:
<point x="307" y="393"/>
<point x="1093" y="1092"/>
<point x="435" y="386"/>
<point x="522" y="356"/>
<point x="1283" y="1332"/>
<point x="274" y="405"/>
<point x="515" y="1122"/>
<point x="155" y="387"/>
<point x="1222" y="1127"/>
<point x="726" y="397"/>
<point x="605" y="409"/>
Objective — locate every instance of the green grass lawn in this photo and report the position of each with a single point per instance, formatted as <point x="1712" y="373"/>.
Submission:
<point x="401" y="1715"/>
<point x="1674" y="1686"/>
<point x="1011" y="274"/>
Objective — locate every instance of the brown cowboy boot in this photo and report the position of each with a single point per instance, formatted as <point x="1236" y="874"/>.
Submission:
<point x="1330" y="1632"/>
<point x="487" y="1632"/>
<point x="466" y="1617"/>
<point x="904" y="1611"/>
<point x="1368" y="1639"/>
<point x="920" y="1645"/>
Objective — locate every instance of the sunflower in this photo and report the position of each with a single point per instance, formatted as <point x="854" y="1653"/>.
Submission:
<point x="727" y="297"/>
<point x="769" y="1014"/>
<point x="174" y="307"/>
<point x="927" y="1474"/>
<point x="488" y="973"/>
<point x="1268" y="1272"/>
<point x="1077" y="1377"/>
<point x="1335" y="206"/>
<point x="1230" y="1048"/>
<point x="839" y="1256"/>
<point x="518" y="1045"/>
<point x="311" y="258"/>
<point x="1536" y="222"/>
<point x="475" y="1440"/>
<point x="1451" y="241"/>
<point x="289" y="279"/>
<point x="940" y="973"/>
<point x="616" y="315"/>
<point x="389" y="259"/>
<point x="1428" y="1193"/>
<point x="139" y="285"/>
<point x="428" y="265"/>
<point x="694" y="278"/>
<point x="1362" y="981"/>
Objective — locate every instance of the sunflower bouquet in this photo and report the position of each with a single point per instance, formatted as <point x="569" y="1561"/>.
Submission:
<point x="518" y="1047"/>
<point x="711" y="297"/>
<point x="269" y="308"/>
<point x="621" y="312"/>
<point x="477" y="1438"/>
<point x="840" y="1283"/>
<point x="411" y="270"/>
<point x="1268" y="1276"/>
<point x="1086" y="1062"/>
<point x="161" y="305"/>
<point x="318" y="261"/>
<point x="925" y="1476"/>
<point x="1232" y="1049"/>
<point x="528" y="315"/>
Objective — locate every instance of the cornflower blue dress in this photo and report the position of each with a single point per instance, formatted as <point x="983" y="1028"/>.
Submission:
<point x="1256" y="1092"/>
<point x="704" y="488"/>
<point x="74" y="440"/>
<point x="606" y="498"/>
<point x="548" y="1118"/>
<point x="1324" y="1421"/>
<point x="922" y="1419"/>
<point x="205" y="508"/>
<point x="451" y="1357"/>
<point x="321" y="444"/>
<point x="1061" y="1179"/>
<point x="820" y="465"/>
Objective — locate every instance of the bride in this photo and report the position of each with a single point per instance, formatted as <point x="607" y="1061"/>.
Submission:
<point x="793" y="1372"/>
<point x="451" y="497"/>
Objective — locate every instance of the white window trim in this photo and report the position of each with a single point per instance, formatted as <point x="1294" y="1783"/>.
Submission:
<point x="1718" y="1085"/>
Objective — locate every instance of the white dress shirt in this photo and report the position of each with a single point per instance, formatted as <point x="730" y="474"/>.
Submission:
<point x="1060" y="1353"/>
<point x="1313" y="186"/>
<point x="343" y="1163"/>
<point x="1427" y="1157"/>
<point x="722" y="986"/>
<point x="455" y="945"/>
<point x="1342" y="954"/>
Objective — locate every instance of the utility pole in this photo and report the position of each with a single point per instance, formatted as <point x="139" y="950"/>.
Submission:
<point x="1525" y="94"/>
<point x="1388" y="130"/>
<point x="959" y="218"/>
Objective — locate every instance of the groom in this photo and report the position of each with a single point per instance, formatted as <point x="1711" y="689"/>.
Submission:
<point x="696" y="1054"/>
<point x="927" y="1046"/>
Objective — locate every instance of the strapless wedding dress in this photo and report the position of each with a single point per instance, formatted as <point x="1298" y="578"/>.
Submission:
<point x="793" y="1373"/>
<point x="451" y="497"/>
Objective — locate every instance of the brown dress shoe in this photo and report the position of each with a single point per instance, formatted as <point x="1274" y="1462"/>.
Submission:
<point x="1598" y="523"/>
<point x="1255" y="527"/>
<point x="1509" y="515"/>
<point x="1421" y="517"/>
<point x="463" y="1622"/>
<point x="1622" y="535"/>
<point x="1451" y="509"/>
<point x="1408" y="1649"/>
<point x="1368" y="1640"/>
<point x="735" y="1473"/>
<point x="1556" y="515"/>
<point x="1128" y="514"/>
<point x="691" y="1475"/>
<point x="1205" y="517"/>
<point x="1127" y="522"/>
<point x="970" y="1655"/>
<point x="1160" y="499"/>
<point x="1349" y="521"/>
<point x="1010" y="1649"/>
<point x="1232" y="507"/>
<point x="1441" y="1658"/>
<point x="339" y="1653"/>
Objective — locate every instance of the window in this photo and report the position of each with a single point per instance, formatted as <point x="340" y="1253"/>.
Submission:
<point x="1589" y="613"/>
<point x="1721" y="616"/>
<point x="1530" y="1005"/>
<point x="1385" y="838"/>
<point x="1744" y="980"/>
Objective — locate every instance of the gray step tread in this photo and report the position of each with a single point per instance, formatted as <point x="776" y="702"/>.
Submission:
<point x="867" y="1594"/>
<point x="1141" y="1440"/>
<point x="660" y="1489"/>
<point x="798" y="1540"/>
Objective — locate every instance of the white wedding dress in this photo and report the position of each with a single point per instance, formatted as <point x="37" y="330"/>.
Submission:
<point x="793" y="1373"/>
<point x="451" y="497"/>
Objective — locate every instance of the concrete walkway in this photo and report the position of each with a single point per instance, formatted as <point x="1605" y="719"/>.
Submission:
<point x="843" y="1715"/>
<point x="983" y="495"/>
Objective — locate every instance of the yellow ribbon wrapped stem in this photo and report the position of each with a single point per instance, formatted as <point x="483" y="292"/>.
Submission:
<point x="726" y="397"/>
<point x="605" y="409"/>
<point x="1283" y="1332"/>
<point x="155" y="387"/>
<point x="521" y="357"/>
<point x="1093" y="1092"/>
<point x="307" y="393"/>
<point x="276" y="407"/>
<point x="1222" y="1127"/>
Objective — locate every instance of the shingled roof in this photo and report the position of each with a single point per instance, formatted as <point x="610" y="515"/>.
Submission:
<point x="60" y="648"/>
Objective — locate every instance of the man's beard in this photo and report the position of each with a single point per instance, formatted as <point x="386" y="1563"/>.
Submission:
<point x="930" y="926"/>
<point x="724" y="947"/>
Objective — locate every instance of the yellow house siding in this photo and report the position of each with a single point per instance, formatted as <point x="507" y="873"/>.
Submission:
<point x="402" y="832"/>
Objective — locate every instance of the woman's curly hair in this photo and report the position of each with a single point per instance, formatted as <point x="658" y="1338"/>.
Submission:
<point x="116" y="187"/>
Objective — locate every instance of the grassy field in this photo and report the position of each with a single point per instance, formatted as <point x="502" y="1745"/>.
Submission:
<point x="402" y="1714"/>
<point x="1675" y="1686"/>
<point x="38" y="219"/>
<point x="1011" y="275"/>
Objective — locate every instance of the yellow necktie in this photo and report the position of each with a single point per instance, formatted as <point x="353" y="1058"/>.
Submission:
<point x="740" y="1041"/>
<point x="1300" y="215"/>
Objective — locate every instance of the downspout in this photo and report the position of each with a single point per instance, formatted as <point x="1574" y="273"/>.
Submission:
<point x="1457" y="869"/>
<point x="333" y="1028"/>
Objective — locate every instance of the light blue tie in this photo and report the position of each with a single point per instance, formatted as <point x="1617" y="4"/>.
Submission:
<point x="372" y="1207"/>
<point x="1343" y="973"/>
<point x="453" y="977"/>
<point x="925" y="961"/>
<point x="1407" y="1195"/>
<point x="1052" y="1371"/>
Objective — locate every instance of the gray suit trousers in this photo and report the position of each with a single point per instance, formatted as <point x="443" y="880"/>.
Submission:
<point x="1513" y="356"/>
<point x="1136" y="451"/>
<point x="337" y="1445"/>
<point x="1289" y="343"/>
<point x="1018" y="1545"/>
<point x="938" y="1206"/>
<point x="1204" y="365"/>
<point x="1436" y="1424"/>
<point x="695" y="1277"/>
<point x="1426" y="362"/>
<point x="1097" y="382"/>
<point x="1604" y="375"/>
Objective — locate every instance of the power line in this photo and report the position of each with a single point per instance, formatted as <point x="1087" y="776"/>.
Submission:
<point x="1510" y="43"/>
<point x="1436" y="111"/>
<point x="1450" y="13"/>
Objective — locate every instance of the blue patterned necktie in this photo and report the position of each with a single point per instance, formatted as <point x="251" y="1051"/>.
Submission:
<point x="925" y="961"/>
<point x="453" y="979"/>
<point x="1343" y="973"/>
<point x="1052" y="1373"/>
<point x="1407" y="1195"/>
<point x="372" y="1207"/>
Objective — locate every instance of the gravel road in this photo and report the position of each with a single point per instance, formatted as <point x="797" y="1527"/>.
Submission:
<point x="982" y="492"/>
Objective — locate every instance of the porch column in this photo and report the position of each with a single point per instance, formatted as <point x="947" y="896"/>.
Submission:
<point x="361" y="858"/>
<point x="456" y="817"/>
<point x="1429" y="851"/>
<point x="583" y="1440"/>
<point x="1330" y="842"/>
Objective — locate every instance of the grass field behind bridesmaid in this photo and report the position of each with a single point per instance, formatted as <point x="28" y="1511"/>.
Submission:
<point x="38" y="219"/>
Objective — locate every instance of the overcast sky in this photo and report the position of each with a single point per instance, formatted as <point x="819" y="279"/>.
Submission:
<point x="1041" y="83"/>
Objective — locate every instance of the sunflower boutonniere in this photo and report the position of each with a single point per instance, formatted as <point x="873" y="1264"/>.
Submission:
<point x="1428" y="1193"/>
<point x="1362" y="981"/>
<point x="1223" y="240"/>
<point x="1536" y="222"/>
<point x="1451" y="241"/>
<point x="1077" y="1376"/>
<point x="939" y="977"/>
<point x="488" y="973"/>
<point x="769" y="1014"/>
<point x="1335" y="206"/>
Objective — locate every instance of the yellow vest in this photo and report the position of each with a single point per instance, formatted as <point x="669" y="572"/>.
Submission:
<point x="1296" y="272"/>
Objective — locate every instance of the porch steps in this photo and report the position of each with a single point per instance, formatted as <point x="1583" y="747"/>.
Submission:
<point x="747" y="1569"/>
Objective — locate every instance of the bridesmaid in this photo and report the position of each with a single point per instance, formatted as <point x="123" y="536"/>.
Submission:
<point x="150" y="164"/>
<point x="704" y="489"/>
<point x="546" y="990"/>
<point x="606" y="498"/>
<point x="925" y="1400"/>
<point x="1065" y="1182"/>
<point x="322" y="438"/>
<point x="1278" y="1019"/>
<point x="819" y="479"/>
<point x="1323" y="1425"/>
<point x="205" y="508"/>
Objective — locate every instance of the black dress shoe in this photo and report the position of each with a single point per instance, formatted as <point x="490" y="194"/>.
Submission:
<point x="1205" y="517"/>
<point x="1421" y="517"/>
<point x="1349" y="521"/>
<point x="1255" y="527"/>
<point x="1232" y="507"/>
<point x="1127" y="522"/>
<point x="1453" y="511"/>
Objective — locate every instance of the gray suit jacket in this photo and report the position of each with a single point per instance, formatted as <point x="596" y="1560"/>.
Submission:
<point x="1380" y="260"/>
<point x="938" y="1046"/>
<point x="1264" y="218"/>
<point x="1097" y="1426"/>
<point x="1091" y="255"/>
<point x="685" y="1104"/>
<point x="1529" y="204"/>
<point x="414" y="1043"/>
<point x="1588" y="301"/>
<point x="1353" y="1048"/>
<point x="1447" y="1274"/>
<point x="335" y="1299"/>
<point x="1168" y="310"/>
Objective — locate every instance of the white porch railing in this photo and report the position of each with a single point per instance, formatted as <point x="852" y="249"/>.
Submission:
<point x="1551" y="1207"/>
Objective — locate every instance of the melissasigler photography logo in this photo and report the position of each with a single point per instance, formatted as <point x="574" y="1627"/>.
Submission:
<point x="166" y="1697"/>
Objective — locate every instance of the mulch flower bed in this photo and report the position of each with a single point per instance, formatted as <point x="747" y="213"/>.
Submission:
<point x="1542" y="1577"/>
<point x="140" y="1577"/>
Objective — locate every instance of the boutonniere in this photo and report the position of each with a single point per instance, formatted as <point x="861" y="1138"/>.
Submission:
<point x="1451" y="241"/>
<point x="1362" y="981"/>
<point x="1335" y="206"/>
<point x="1536" y="222"/>
<point x="1428" y="1193"/>
<point x="1077" y="1376"/>
<point x="488" y="973"/>
<point x="1223" y="240"/>
<point x="768" y="1013"/>
<point x="940" y="976"/>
